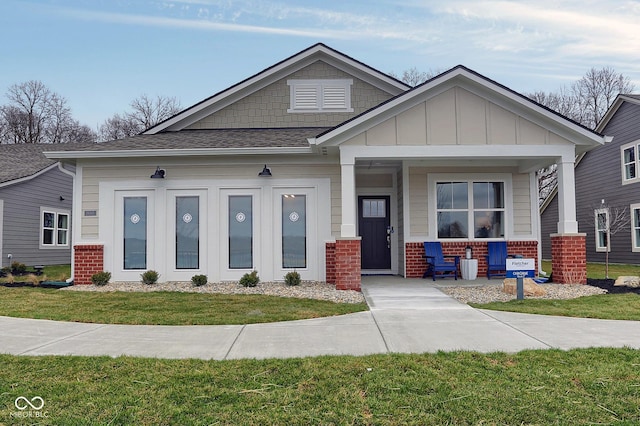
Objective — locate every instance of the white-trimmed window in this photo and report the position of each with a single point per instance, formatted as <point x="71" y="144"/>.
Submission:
<point x="601" y="221"/>
<point x="54" y="227"/>
<point x="630" y="162"/>
<point x="470" y="209"/>
<point x="320" y="95"/>
<point x="635" y="227"/>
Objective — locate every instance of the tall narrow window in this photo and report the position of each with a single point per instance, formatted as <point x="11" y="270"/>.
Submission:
<point x="294" y="231"/>
<point x="240" y="232"/>
<point x="602" y="226"/>
<point x="452" y="209"/>
<point x="635" y="226"/>
<point x="135" y="232"/>
<point x="488" y="209"/>
<point x="187" y="233"/>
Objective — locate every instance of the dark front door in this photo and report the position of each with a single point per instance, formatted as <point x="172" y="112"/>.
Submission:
<point x="374" y="223"/>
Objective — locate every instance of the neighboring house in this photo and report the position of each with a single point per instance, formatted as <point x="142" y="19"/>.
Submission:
<point x="35" y="206"/>
<point x="324" y="165"/>
<point x="609" y="174"/>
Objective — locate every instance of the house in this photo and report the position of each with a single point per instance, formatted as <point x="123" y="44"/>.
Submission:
<point x="607" y="185"/>
<point x="35" y="206"/>
<point x="324" y="165"/>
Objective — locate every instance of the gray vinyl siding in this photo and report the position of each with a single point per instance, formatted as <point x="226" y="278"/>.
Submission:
<point x="599" y="176"/>
<point x="21" y="226"/>
<point x="548" y="226"/>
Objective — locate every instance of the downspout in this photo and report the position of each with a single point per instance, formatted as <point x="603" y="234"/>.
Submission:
<point x="73" y="216"/>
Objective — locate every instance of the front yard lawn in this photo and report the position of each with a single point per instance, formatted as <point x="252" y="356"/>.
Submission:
<point x="163" y="308"/>
<point x="586" y="386"/>
<point x="604" y="306"/>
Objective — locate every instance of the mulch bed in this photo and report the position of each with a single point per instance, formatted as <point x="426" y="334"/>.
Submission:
<point x="607" y="284"/>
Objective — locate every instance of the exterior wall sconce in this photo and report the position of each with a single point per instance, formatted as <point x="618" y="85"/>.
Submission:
<point x="159" y="174"/>
<point x="266" y="172"/>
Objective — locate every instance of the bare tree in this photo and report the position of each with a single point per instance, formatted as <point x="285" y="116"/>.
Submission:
<point x="35" y="114"/>
<point x="585" y="101"/>
<point x="146" y="112"/>
<point x="118" y="127"/>
<point x="597" y="90"/>
<point x="610" y="220"/>
<point x="413" y="76"/>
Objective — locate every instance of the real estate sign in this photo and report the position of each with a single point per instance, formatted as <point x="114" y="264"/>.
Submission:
<point x="521" y="268"/>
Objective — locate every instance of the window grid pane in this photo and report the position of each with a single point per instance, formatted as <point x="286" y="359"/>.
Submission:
<point x="454" y="214"/>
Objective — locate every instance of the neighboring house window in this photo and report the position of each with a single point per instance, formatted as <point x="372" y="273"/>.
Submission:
<point x="320" y="95"/>
<point x="601" y="227"/>
<point x="470" y="205"/>
<point x="635" y="227"/>
<point x="630" y="166"/>
<point x="54" y="228"/>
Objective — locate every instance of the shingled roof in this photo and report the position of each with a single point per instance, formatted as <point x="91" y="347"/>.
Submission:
<point x="214" y="139"/>
<point x="22" y="160"/>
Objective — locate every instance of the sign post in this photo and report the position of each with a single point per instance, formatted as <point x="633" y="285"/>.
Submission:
<point x="520" y="269"/>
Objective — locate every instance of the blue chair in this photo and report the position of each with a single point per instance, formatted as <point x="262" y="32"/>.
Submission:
<point x="436" y="262"/>
<point x="497" y="258"/>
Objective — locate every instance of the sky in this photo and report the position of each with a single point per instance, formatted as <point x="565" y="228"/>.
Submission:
<point x="101" y="54"/>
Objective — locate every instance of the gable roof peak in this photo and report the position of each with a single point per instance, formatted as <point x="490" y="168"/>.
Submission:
<point x="275" y="72"/>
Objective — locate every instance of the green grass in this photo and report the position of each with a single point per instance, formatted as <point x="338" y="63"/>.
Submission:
<point x="604" y="306"/>
<point x="550" y="387"/>
<point x="163" y="308"/>
<point x="597" y="270"/>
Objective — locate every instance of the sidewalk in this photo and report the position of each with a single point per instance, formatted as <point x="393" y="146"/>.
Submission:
<point x="407" y="316"/>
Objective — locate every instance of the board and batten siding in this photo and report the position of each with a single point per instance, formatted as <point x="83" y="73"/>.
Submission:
<point x="93" y="175"/>
<point x="456" y="117"/>
<point x="21" y="222"/>
<point x="268" y="106"/>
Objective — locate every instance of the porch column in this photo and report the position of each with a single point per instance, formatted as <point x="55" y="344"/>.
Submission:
<point x="567" y="223"/>
<point x="348" y="227"/>
<point x="568" y="247"/>
<point x="348" y="250"/>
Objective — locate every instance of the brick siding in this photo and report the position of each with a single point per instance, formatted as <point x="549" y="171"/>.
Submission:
<point x="88" y="259"/>
<point x="569" y="259"/>
<point x="347" y="265"/>
<point x="416" y="263"/>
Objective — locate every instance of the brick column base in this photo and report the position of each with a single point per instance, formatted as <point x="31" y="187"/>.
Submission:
<point x="87" y="260"/>
<point x="330" y="256"/>
<point x="347" y="264"/>
<point x="569" y="258"/>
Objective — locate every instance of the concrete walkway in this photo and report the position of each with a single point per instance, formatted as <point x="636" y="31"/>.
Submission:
<point x="408" y="316"/>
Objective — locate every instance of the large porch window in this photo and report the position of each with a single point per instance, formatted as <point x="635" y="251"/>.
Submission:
<point x="470" y="205"/>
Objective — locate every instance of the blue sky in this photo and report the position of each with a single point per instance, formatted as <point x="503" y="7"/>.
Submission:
<point x="101" y="54"/>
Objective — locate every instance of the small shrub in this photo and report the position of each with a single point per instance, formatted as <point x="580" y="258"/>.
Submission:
<point x="33" y="279"/>
<point x="10" y="278"/>
<point x="199" y="280"/>
<point x="250" y="279"/>
<point x="18" y="268"/>
<point x="101" y="278"/>
<point x="292" y="278"/>
<point x="150" y="277"/>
